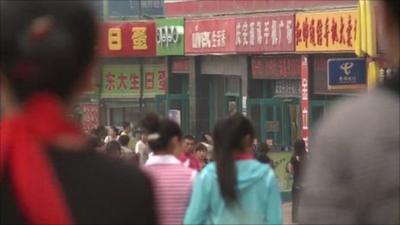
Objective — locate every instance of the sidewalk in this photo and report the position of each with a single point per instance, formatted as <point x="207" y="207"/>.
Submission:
<point x="287" y="213"/>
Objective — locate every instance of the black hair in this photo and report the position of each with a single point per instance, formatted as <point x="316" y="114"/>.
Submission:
<point x="123" y="140"/>
<point x="299" y="148"/>
<point x="263" y="147"/>
<point x="229" y="135"/>
<point x="163" y="130"/>
<point x="113" y="146"/>
<point x="45" y="46"/>
<point x="115" y="129"/>
<point x="125" y="125"/>
<point x="200" y="147"/>
<point x="203" y="137"/>
<point x="189" y="137"/>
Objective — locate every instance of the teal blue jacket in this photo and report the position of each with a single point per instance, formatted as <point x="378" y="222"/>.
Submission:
<point x="259" y="200"/>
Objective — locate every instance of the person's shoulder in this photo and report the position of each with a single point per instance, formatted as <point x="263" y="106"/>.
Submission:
<point x="371" y="109"/>
<point x="92" y="167"/>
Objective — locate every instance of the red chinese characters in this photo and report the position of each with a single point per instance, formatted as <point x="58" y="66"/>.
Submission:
<point x="349" y="31"/>
<point x="149" y="80"/>
<point x="122" y="81"/>
<point x="277" y="67"/>
<point x="162" y="80"/>
<point x="135" y="81"/>
<point x="319" y="32"/>
<point x="110" y="81"/>
<point x="326" y="31"/>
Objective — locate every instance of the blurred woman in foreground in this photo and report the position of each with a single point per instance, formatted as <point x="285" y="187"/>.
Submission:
<point x="236" y="188"/>
<point x="47" y="173"/>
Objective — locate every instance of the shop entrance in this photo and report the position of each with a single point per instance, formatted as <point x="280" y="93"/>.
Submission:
<point x="277" y="120"/>
<point x="178" y="102"/>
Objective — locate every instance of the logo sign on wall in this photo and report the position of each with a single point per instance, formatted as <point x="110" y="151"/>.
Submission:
<point x="127" y="39"/>
<point x="265" y="33"/>
<point x="348" y="73"/>
<point x="210" y="36"/>
<point x="170" y="36"/>
<point x="326" y="31"/>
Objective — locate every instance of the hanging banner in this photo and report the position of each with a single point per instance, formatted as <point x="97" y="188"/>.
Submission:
<point x="210" y="36"/>
<point x="265" y="34"/>
<point x="120" y="81"/>
<point x="90" y="116"/>
<point x="154" y="80"/>
<point x="170" y="36"/>
<point x="348" y="73"/>
<point x="276" y="67"/>
<point x="304" y="98"/>
<point x="127" y="39"/>
<point x="326" y="31"/>
<point x="280" y="161"/>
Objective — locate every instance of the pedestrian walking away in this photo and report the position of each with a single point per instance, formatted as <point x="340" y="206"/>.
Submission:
<point x="172" y="180"/>
<point x="236" y="188"/>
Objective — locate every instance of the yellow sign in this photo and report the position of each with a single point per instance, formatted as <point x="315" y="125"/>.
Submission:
<point x="139" y="38"/>
<point x="114" y="38"/>
<point x="326" y="31"/>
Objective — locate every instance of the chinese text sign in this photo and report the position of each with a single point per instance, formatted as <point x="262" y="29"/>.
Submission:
<point x="264" y="33"/>
<point x="127" y="39"/>
<point x="121" y="81"/>
<point x="326" y="31"/>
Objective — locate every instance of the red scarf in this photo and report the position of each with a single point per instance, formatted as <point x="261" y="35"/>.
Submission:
<point x="24" y="136"/>
<point x="243" y="156"/>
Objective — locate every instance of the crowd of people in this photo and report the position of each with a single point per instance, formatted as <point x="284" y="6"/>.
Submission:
<point x="52" y="173"/>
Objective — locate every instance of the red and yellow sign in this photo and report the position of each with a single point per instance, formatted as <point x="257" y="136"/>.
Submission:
<point x="326" y="31"/>
<point x="127" y="39"/>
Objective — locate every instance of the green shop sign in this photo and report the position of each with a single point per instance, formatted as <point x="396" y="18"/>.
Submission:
<point x="170" y="36"/>
<point x="120" y="81"/>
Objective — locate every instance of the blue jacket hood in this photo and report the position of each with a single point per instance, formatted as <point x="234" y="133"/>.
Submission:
<point x="248" y="172"/>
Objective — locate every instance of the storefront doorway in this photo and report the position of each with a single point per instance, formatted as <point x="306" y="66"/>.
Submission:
<point x="178" y="103"/>
<point x="277" y="120"/>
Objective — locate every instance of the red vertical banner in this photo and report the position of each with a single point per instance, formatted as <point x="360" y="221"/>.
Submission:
<point x="90" y="116"/>
<point x="304" y="98"/>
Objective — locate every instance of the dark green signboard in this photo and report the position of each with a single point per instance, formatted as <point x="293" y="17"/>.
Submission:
<point x="170" y="36"/>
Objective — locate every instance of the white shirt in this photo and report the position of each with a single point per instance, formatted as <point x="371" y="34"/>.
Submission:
<point x="143" y="150"/>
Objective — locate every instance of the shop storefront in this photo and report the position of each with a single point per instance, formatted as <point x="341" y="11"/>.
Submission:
<point x="320" y="37"/>
<point x="274" y="84"/>
<point x="221" y="81"/>
<point x="274" y="99"/>
<point x="170" y="42"/>
<point x="131" y="75"/>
